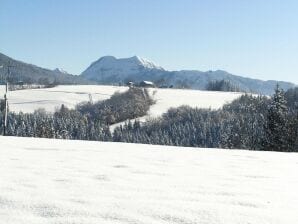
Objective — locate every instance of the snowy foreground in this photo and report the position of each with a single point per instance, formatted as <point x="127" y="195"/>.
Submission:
<point x="51" y="98"/>
<point x="60" y="181"/>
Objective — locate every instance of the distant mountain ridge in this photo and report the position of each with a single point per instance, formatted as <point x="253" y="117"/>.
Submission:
<point x="28" y="73"/>
<point x="110" y="70"/>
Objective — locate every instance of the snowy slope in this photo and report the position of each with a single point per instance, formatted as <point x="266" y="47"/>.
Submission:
<point x="167" y="98"/>
<point x="49" y="99"/>
<point x="56" y="181"/>
<point x="30" y="100"/>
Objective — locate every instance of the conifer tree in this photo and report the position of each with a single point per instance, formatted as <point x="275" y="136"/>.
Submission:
<point x="276" y="128"/>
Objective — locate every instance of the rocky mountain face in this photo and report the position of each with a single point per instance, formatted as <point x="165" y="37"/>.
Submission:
<point x="28" y="73"/>
<point x="110" y="70"/>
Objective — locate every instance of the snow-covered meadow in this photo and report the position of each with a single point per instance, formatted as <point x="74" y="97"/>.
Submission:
<point x="63" y="181"/>
<point x="51" y="98"/>
<point x="167" y="98"/>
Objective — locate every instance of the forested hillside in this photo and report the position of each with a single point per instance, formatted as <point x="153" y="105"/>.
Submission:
<point x="249" y="122"/>
<point x="255" y="123"/>
<point x="16" y="71"/>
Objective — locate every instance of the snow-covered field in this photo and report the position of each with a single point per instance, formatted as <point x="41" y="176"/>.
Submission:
<point x="167" y="98"/>
<point x="62" y="181"/>
<point x="51" y="98"/>
<point x="30" y="100"/>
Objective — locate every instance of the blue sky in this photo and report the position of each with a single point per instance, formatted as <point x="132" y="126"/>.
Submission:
<point x="255" y="38"/>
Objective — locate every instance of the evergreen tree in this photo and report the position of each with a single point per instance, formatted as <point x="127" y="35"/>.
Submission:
<point x="276" y="137"/>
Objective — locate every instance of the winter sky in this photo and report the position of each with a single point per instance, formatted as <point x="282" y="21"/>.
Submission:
<point x="256" y="38"/>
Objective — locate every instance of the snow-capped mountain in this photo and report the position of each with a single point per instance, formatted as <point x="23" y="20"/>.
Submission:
<point x="114" y="70"/>
<point x="110" y="70"/>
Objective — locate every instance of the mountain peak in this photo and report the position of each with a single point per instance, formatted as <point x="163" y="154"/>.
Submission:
<point x="60" y="70"/>
<point x="144" y="62"/>
<point x="110" y="65"/>
<point x="132" y="61"/>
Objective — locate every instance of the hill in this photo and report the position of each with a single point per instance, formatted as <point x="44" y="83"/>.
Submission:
<point x="70" y="95"/>
<point x="62" y="181"/>
<point x="28" y="73"/>
<point x="110" y="70"/>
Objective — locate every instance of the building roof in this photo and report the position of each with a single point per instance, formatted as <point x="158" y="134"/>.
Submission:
<point x="147" y="82"/>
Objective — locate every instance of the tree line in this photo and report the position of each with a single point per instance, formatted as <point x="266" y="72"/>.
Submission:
<point x="88" y="121"/>
<point x="250" y="122"/>
<point x="222" y="85"/>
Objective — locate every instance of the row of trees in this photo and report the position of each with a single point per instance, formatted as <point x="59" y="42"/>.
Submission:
<point x="64" y="124"/>
<point x="222" y="85"/>
<point x="120" y="107"/>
